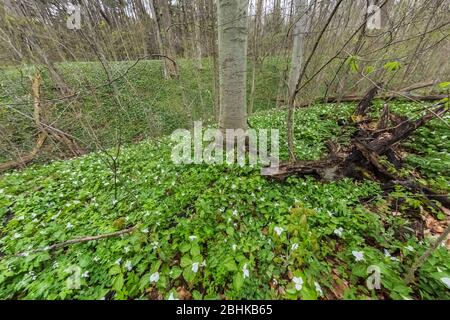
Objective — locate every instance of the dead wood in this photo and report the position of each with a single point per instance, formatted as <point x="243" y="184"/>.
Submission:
<point x="362" y="159"/>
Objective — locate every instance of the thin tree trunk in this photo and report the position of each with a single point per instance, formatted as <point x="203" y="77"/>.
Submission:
<point x="255" y="56"/>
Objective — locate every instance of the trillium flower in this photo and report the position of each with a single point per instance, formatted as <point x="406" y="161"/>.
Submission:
<point x="234" y="246"/>
<point x="245" y="271"/>
<point x="69" y="226"/>
<point x="278" y="230"/>
<point x="195" y="267"/>
<point x="446" y="281"/>
<point x="145" y="230"/>
<point x="171" y="297"/>
<point x="126" y="249"/>
<point x="192" y="238"/>
<point x="318" y="288"/>
<point x="119" y="261"/>
<point x="339" y="232"/>
<point x="298" y="281"/>
<point x="235" y="213"/>
<point x="203" y="264"/>
<point x="85" y="274"/>
<point x="294" y="246"/>
<point x="128" y="265"/>
<point x="154" y="277"/>
<point x="359" y="256"/>
<point x="155" y="245"/>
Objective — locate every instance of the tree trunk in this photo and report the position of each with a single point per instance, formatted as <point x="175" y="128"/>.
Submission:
<point x="298" y="44"/>
<point x="164" y="35"/>
<point x="232" y="21"/>
<point x="255" y="53"/>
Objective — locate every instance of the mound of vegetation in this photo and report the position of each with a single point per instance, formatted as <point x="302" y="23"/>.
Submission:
<point x="156" y="230"/>
<point x="150" y="106"/>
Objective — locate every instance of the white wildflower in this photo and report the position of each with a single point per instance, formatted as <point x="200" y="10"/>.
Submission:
<point x="245" y="271"/>
<point x="85" y="274"/>
<point x="359" y="256"/>
<point x="126" y="249"/>
<point x="294" y="246"/>
<point x="318" y="288"/>
<point x="278" y="230"/>
<point x="171" y="297"/>
<point x="235" y="213"/>
<point x="298" y="283"/>
<point x="339" y="231"/>
<point x="118" y="261"/>
<point x="446" y="281"/>
<point x="154" y="277"/>
<point x="195" y="267"/>
<point x="69" y="226"/>
<point x="234" y="246"/>
<point x="192" y="238"/>
<point x="145" y="230"/>
<point x="16" y="235"/>
<point x="128" y="265"/>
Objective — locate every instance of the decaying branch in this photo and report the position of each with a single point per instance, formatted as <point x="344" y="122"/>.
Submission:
<point x="67" y="243"/>
<point x="370" y="142"/>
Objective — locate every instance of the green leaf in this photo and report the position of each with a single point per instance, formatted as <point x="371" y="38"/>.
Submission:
<point x="238" y="281"/>
<point x="185" y="261"/>
<point x="118" y="282"/>
<point x="230" y="264"/>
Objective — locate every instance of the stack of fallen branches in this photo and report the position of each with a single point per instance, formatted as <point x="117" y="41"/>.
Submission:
<point x="372" y="140"/>
<point x="400" y="94"/>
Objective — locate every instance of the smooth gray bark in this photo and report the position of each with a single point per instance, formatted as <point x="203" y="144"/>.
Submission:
<point x="232" y="25"/>
<point x="298" y="44"/>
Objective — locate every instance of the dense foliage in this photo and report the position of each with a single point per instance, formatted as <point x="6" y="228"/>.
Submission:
<point x="216" y="231"/>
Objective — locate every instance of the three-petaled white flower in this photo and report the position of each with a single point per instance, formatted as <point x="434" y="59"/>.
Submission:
<point x="339" y="231"/>
<point x="278" y="230"/>
<point x="359" y="256"/>
<point x="446" y="281"/>
<point x="235" y="213"/>
<point x="294" y="246"/>
<point x="195" y="267"/>
<point x="171" y="297"/>
<point x="145" y="230"/>
<point x="192" y="238"/>
<point x="119" y="261"/>
<point x="245" y="271"/>
<point x="318" y="288"/>
<point x="128" y="265"/>
<point x="298" y="281"/>
<point x="234" y="246"/>
<point x="154" y="277"/>
<point x="69" y="226"/>
<point x="85" y="274"/>
<point x="126" y="249"/>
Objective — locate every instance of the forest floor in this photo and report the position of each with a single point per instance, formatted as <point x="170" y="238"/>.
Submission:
<point x="226" y="232"/>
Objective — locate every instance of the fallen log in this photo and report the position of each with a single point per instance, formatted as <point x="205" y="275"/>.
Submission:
<point x="356" y="98"/>
<point x="361" y="160"/>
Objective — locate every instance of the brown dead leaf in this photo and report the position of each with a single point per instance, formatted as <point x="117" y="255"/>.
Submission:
<point x="183" y="294"/>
